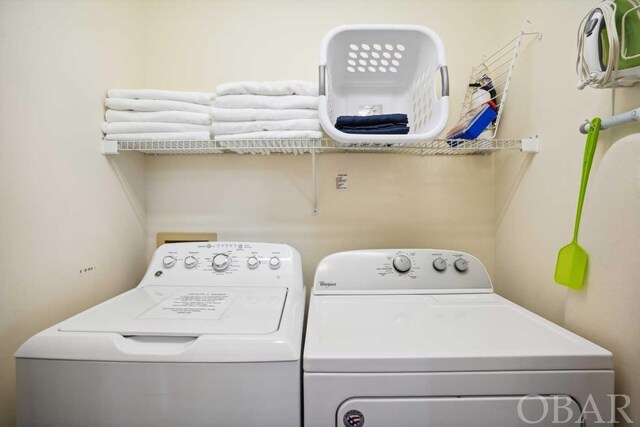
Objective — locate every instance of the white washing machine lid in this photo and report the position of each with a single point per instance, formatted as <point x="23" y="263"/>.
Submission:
<point x="430" y="333"/>
<point x="185" y="311"/>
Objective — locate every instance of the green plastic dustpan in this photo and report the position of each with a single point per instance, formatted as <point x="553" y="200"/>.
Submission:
<point x="573" y="259"/>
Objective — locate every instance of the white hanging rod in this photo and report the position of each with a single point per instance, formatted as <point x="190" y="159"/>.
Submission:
<point x="617" y="120"/>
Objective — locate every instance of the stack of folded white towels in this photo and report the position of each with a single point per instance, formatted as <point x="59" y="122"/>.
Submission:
<point x="157" y="115"/>
<point x="272" y="112"/>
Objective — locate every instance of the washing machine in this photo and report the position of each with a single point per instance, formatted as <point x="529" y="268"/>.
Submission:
<point x="212" y="336"/>
<point x="412" y="338"/>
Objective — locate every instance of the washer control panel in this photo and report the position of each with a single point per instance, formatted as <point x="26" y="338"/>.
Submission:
<point x="401" y="271"/>
<point x="223" y="263"/>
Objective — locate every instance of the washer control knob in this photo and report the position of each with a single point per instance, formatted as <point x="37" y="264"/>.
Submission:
<point x="439" y="264"/>
<point x="461" y="265"/>
<point x="274" y="263"/>
<point x="190" y="262"/>
<point x="252" y="262"/>
<point x="221" y="262"/>
<point x="168" y="261"/>
<point x="402" y="263"/>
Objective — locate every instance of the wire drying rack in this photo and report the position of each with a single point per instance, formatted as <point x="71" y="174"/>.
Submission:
<point x="303" y="146"/>
<point x="496" y="70"/>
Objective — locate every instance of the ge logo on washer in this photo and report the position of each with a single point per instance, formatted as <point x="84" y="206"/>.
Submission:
<point x="353" y="418"/>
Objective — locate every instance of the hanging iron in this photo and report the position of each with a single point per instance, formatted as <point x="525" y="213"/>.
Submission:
<point x="609" y="45"/>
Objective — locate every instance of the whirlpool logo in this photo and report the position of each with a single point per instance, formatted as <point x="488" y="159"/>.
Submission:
<point x="327" y="284"/>
<point x="353" y="418"/>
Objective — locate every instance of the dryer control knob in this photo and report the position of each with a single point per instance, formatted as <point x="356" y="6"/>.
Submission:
<point x="221" y="262"/>
<point x="402" y="263"/>
<point x="461" y="265"/>
<point x="190" y="262"/>
<point x="252" y="262"/>
<point x="439" y="264"/>
<point x="168" y="261"/>
<point x="274" y="263"/>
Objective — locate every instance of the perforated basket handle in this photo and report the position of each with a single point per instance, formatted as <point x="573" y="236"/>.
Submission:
<point x="444" y="75"/>
<point x="321" y="87"/>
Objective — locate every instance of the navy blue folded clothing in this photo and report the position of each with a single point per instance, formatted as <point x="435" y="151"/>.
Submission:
<point x="367" y="121"/>
<point x="374" y="127"/>
<point x="390" y="130"/>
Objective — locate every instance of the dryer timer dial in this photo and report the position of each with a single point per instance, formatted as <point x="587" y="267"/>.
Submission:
<point x="402" y="263"/>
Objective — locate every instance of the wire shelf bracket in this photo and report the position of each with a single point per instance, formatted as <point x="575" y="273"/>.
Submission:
<point x="316" y="147"/>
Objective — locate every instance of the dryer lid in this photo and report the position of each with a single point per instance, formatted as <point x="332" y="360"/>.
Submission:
<point x="430" y="333"/>
<point x="185" y="311"/>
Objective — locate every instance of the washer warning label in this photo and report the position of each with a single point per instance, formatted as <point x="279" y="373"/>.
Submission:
<point x="190" y="305"/>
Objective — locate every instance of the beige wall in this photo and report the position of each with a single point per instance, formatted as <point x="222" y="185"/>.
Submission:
<point x="392" y="201"/>
<point x="63" y="206"/>
<point x="536" y="197"/>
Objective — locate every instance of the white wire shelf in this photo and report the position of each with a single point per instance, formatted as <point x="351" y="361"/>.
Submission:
<point x="302" y="146"/>
<point x="496" y="68"/>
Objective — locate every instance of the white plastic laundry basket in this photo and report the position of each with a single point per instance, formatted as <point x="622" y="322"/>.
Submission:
<point x="395" y="66"/>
